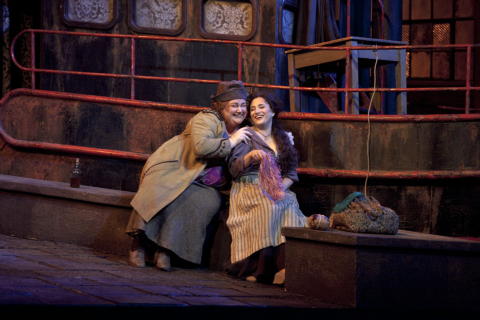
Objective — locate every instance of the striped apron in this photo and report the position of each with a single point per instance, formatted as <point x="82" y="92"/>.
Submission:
<point x="255" y="221"/>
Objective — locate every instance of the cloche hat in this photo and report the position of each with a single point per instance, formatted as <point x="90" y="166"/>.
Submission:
<point x="229" y="90"/>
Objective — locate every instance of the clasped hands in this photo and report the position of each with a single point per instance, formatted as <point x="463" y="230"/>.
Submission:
<point x="257" y="156"/>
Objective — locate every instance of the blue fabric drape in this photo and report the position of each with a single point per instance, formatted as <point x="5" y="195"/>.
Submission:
<point x="316" y="23"/>
<point x="393" y="31"/>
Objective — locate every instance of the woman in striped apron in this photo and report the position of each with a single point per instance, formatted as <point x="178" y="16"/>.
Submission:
<point x="258" y="210"/>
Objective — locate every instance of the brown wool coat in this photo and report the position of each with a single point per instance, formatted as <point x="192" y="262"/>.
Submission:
<point x="179" y="161"/>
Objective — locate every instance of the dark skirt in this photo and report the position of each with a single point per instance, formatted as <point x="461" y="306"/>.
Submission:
<point x="263" y="264"/>
<point x="181" y="226"/>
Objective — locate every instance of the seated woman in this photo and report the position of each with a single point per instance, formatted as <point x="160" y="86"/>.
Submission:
<point x="261" y="203"/>
<point x="177" y="199"/>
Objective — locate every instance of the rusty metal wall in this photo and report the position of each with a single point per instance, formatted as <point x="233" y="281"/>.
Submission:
<point x="409" y="145"/>
<point x="81" y="123"/>
<point x="444" y="206"/>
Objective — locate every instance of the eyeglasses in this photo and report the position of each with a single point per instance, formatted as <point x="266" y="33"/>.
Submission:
<point x="237" y="105"/>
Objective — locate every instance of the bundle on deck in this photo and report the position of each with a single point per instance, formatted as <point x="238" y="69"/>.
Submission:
<point x="358" y="213"/>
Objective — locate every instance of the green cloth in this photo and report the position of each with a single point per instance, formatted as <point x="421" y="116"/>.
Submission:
<point x="342" y="205"/>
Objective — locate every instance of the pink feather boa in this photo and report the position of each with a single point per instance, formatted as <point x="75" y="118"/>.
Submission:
<point x="270" y="179"/>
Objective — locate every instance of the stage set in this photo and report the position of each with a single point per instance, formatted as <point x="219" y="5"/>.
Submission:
<point x="382" y="97"/>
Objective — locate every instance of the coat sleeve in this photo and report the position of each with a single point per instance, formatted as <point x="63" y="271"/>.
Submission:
<point x="292" y="173"/>
<point x="235" y="159"/>
<point x="208" y="138"/>
<point x="291" y="170"/>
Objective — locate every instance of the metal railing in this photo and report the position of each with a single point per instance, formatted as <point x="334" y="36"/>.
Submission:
<point x="323" y="173"/>
<point x="468" y="88"/>
<point x="133" y="76"/>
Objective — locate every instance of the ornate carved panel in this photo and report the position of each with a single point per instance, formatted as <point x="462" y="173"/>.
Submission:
<point x="234" y="20"/>
<point x="90" y="13"/>
<point x="157" y="16"/>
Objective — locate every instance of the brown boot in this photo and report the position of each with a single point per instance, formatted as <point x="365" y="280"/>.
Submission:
<point x="136" y="256"/>
<point x="162" y="260"/>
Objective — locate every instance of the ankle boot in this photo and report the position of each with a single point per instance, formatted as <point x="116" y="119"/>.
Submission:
<point x="162" y="260"/>
<point x="136" y="256"/>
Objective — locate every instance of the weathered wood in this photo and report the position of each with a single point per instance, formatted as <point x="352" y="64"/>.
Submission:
<point x="447" y="206"/>
<point x="50" y="210"/>
<point x="293" y="82"/>
<point x="303" y="58"/>
<point x="406" y="270"/>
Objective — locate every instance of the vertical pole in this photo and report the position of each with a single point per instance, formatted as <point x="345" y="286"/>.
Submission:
<point x="239" y="61"/>
<point x="32" y="57"/>
<point x="348" y="18"/>
<point x="347" y="79"/>
<point x="347" y="63"/>
<point x="467" y="78"/>
<point x="132" y="68"/>
<point x="401" y="81"/>
<point x="295" y="105"/>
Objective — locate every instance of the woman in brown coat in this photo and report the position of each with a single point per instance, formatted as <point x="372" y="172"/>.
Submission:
<point x="177" y="199"/>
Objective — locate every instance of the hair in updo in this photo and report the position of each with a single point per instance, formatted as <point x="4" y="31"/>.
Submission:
<point x="287" y="153"/>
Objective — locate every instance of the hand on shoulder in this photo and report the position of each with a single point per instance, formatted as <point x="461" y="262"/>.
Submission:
<point x="241" y="135"/>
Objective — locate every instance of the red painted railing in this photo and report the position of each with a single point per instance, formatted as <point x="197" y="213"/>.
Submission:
<point x="292" y="115"/>
<point x="322" y="173"/>
<point x="468" y="88"/>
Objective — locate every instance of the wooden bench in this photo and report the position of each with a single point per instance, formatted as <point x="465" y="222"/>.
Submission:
<point x="51" y="210"/>
<point x="407" y="270"/>
<point x="88" y="216"/>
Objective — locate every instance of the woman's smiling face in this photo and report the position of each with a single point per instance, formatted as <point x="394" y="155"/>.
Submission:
<point x="235" y="112"/>
<point x="261" y="114"/>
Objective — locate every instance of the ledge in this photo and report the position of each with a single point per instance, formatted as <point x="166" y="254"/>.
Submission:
<point x="403" y="239"/>
<point x="63" y="190"/>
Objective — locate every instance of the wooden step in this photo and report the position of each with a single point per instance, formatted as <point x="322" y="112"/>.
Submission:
<point x="406" y="270"/>
<point x="51" y="210"/>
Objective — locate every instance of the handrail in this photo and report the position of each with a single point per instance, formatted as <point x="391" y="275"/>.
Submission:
<point x="74" y="149"/>
<point x="240" y="44"/>
<point x="392" y="175"/>
<point x="336" y="173"/>
<point x="282" y="116"/>
<point x="316" y="172"/>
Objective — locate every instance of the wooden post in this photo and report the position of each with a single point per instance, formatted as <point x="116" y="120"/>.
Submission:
<point x="293" y="82"/>
<point x="401" y="81"/>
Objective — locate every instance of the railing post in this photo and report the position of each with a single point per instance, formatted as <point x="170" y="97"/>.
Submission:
<point x="467" y="79"/>
<point x="347" y="62"/>
<point x="350" y="89"/>
<point x="239" y="61"/>
<point x="32" y="58"/>
<point x="347" y="80"/>
<point x="132" y="68"/>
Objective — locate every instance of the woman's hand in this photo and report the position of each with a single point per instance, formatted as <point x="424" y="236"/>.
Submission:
<point x="254" y="156"/>
<point x="241" y="135"/>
